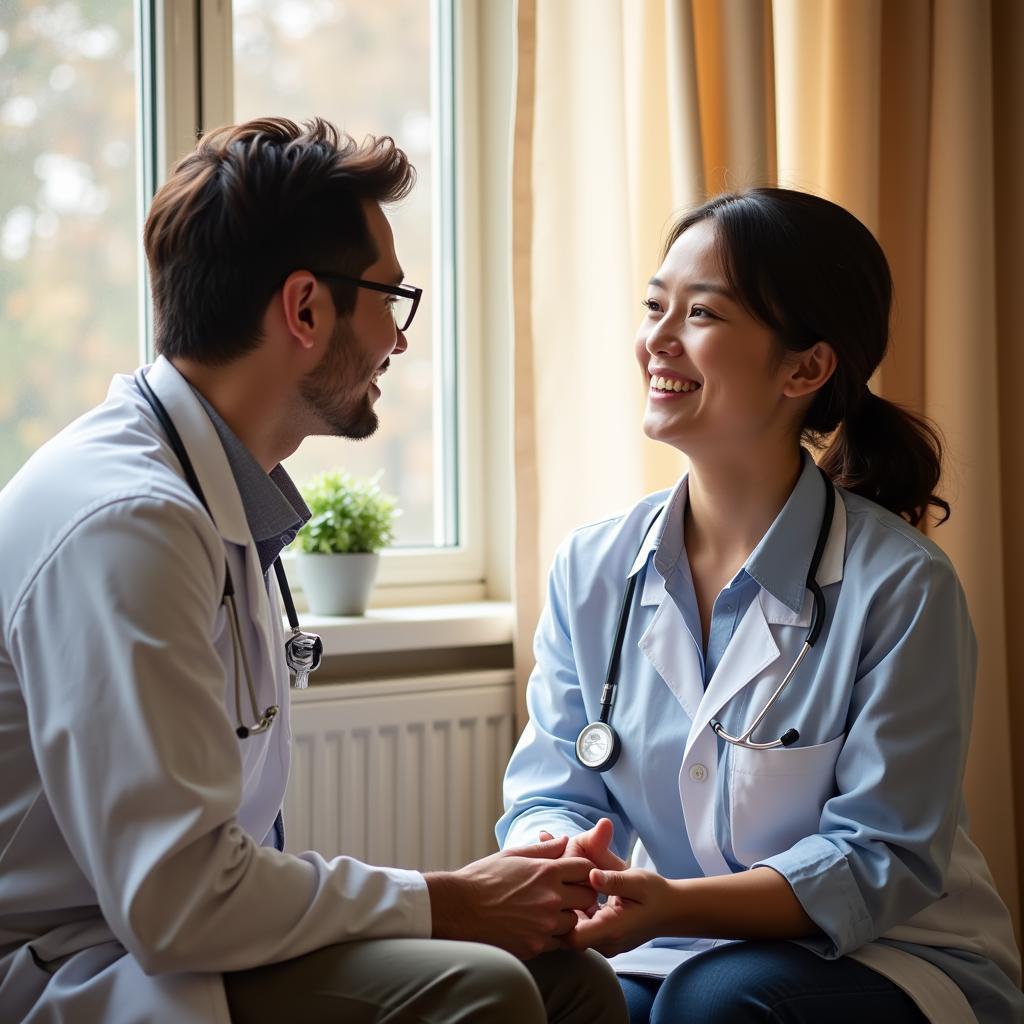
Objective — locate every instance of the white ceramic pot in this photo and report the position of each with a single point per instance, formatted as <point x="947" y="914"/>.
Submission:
<point x="337" y="584"/>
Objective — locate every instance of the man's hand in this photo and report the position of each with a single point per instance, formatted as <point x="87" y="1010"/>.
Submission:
<point x="638" y="908"/>
<point x="523" y="900"/>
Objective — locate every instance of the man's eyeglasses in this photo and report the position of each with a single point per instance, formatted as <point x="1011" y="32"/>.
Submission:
<point x="406" y="296"/>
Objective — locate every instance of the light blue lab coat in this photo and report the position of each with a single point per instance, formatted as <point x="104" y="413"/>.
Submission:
<point x="864" y="815"/>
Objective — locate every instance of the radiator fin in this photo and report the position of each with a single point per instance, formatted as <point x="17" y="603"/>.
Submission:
<point x="406" y="776"/>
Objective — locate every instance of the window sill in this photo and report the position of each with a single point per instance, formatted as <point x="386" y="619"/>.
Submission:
<point x="421" y="628"/>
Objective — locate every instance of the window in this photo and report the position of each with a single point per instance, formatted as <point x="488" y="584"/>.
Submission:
<point x="371" y="68"/>
<point x="69" y="214"/>
<point x="99" y="95"/>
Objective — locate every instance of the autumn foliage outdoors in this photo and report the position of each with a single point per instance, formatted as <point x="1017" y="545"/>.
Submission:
<point x="70" y="254"/>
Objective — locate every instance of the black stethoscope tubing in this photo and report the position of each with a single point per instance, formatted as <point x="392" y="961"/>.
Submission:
<point x="303" y="651"/>
<point x="598" y="745"/>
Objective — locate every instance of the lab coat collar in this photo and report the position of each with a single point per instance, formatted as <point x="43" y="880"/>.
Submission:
<point x="204" y="449"/>
<point x="213" y="470"/>
<point x="751" y="650"/>
<point x="780" y="561"/>
<point x="665" y="540"/>
<point x="655" y="533"/>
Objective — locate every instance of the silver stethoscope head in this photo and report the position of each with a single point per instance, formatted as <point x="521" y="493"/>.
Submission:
<point x="598" y="745"/>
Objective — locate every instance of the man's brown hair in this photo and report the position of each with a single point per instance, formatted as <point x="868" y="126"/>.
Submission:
<point x="251" y="204"/>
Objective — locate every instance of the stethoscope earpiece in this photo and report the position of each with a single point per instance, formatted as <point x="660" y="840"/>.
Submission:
<point x="266" y="720"/>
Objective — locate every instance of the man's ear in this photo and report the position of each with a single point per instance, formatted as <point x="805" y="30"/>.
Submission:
<point x="306" y="305"/>
<point x="810" y="370"/>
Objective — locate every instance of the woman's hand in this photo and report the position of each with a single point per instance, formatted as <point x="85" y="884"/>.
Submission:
<point x="594" y="845"/>
<point x="754" y="904"/>
<point x="639" y="907"/>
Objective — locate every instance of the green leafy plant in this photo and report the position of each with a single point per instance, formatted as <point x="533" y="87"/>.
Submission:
<point x="349" y="515"/>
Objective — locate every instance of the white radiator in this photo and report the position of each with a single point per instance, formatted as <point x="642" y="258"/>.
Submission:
<point x="401" y="772"/>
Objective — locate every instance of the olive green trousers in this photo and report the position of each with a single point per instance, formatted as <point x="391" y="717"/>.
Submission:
<point x="426" y="981"/>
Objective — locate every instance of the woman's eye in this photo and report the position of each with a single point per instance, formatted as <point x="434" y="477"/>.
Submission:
<point x="653" y="305"/>
<point x="701" y="313"/>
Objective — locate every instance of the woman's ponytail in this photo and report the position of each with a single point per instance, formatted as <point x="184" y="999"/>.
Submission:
<point x="890" y="455"/>
<point x="811" y="271"/>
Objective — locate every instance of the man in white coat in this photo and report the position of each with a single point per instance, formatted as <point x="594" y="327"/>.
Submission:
<point x="142" y="876"/>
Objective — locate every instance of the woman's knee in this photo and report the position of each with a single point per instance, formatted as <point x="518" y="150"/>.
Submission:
<point x="732" y="984"/>
<point x="706" y="995"/>
<point x="776" y="981"/>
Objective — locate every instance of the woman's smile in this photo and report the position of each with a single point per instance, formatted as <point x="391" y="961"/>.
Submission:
<point x="667" y="386"/>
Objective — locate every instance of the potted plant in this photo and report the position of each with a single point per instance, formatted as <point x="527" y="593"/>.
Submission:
<point x="352" y="519"/>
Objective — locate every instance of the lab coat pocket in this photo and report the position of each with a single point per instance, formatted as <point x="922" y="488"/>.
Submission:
<point x="776" y="796"/>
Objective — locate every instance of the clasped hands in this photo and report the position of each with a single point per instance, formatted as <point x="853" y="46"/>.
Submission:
<point x="544" y="897"/>
<point x="636" y="905"/>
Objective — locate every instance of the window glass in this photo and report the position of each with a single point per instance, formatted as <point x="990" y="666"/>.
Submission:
<point x="367" y="68"/>
<point x="69" y="227"/>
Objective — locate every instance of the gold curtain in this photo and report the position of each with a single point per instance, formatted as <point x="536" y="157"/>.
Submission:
<point x="911" y="114"/>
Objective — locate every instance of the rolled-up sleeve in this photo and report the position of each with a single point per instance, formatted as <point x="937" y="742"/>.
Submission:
<point x="885" y="838"/>
<point x="545" y="786"/>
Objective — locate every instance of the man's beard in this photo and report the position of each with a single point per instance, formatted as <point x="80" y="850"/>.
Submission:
<point x="338" y="389"/>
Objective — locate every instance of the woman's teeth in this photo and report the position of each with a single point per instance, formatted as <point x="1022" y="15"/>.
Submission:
<point x="665" y="384"/>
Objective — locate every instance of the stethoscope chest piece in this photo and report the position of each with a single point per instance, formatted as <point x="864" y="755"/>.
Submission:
<point x="598" y="746"/>
<point x="303" y="653"/>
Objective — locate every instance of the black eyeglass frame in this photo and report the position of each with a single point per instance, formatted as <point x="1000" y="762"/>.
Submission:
<point x="406" y="291"/>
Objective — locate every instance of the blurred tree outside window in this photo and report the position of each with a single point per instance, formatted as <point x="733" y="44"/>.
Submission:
<point x="69" y="227"/>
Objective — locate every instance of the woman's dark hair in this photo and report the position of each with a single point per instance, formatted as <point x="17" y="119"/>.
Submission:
<point x="810" y="271"/>
<point x="251" y="204"/>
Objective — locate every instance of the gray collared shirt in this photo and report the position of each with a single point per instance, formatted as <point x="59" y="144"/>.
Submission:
<point x="273" y="506"/>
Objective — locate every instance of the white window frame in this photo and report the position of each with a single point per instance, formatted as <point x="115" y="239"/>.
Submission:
<point x="190" y="53"/>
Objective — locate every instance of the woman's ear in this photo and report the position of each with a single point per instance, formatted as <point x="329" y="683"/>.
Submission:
<point x="810" y="370"/>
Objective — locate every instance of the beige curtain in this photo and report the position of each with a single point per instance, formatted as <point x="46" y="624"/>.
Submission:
<point x="908" y="112"/>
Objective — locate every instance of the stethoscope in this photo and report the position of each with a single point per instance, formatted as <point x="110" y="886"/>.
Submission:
<point x="598" y="745"/>
<point x="303" y="652"/>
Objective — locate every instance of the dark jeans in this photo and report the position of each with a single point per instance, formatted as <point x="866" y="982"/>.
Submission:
<point x="771" y="983"/>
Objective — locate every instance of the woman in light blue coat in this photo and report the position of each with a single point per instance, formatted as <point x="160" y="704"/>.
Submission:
<point x="825" y="827"/>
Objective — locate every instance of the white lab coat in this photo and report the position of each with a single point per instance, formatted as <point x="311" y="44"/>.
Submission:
<point x="132" y="870"/>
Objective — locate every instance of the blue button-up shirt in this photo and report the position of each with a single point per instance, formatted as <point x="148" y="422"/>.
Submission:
<point x="731" y="604"/>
